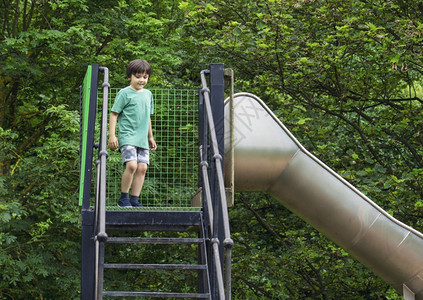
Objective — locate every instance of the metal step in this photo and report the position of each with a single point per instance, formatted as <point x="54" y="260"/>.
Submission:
<point x="152" y="220"/>
<point x="156" y="266"/>
<point x="165" y="222"/>
<point x="157" y="294"/>
<point x="152" y="240"/>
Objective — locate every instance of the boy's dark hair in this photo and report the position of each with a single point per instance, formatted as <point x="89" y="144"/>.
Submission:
<point x="138" y="66"/>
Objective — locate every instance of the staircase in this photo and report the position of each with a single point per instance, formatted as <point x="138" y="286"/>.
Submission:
<point x="104" y="227"/>
<point x="119" y="222"/>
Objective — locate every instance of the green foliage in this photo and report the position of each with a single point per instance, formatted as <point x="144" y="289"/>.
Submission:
<point x="44" y="50"/>
<point x="39" y="223"/>
<point x="341" y="71"/>
<point x="344" y="76"/>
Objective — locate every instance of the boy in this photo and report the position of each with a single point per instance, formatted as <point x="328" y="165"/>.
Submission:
<point x="132" y="109"/>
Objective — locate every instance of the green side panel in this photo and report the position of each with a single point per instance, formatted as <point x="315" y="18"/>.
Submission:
<point x="86" y="88"/>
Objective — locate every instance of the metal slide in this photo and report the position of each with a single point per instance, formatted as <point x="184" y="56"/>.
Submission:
<point x="267" y="157"/>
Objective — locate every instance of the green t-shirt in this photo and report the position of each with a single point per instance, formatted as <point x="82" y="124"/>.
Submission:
<point x="134" y="109"/>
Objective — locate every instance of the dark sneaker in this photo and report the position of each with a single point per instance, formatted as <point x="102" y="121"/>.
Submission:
<point x="124" y="203"/>
<point x="135" y="203"/>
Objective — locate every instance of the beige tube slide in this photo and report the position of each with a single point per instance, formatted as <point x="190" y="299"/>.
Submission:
<point x="265" y="156"/>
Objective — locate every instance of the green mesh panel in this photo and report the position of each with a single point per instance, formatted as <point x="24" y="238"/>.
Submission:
<point x="172" y="175"/>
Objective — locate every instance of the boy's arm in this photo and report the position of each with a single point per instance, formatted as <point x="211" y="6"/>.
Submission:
<point x="151" y="141"/>
<point x="113" y="142"/>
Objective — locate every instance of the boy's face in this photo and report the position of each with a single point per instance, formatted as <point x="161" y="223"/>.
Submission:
<point x="138" y="81"/>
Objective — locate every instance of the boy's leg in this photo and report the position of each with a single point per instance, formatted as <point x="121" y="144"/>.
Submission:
<point x="138" y="180"/>
<point x="143" y="159"/>
<point x="137" y="184"/>
<point x="127" y="178"/>
<point x="128" y="175"/>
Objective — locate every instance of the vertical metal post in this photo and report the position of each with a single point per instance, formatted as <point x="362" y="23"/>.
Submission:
<point x="217" y="96"/>
<point x="88" y="256"/>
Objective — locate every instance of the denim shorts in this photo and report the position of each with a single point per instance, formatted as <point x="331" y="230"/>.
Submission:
<point x="129" y="153"/>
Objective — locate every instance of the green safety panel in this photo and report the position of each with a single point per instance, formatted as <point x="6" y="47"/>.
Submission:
<point x="172" y="175"/>
<point x="86" y="89"/>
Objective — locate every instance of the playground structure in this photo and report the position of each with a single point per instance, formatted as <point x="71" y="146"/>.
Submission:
<point x="257" y="153"/>
<point x="205" y="228"/>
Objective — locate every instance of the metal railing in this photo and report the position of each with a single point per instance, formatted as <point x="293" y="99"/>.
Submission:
<point x="224" y="287"/>
<point x="100" y="207"/>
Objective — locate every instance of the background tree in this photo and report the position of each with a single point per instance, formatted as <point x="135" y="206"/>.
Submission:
<point x="344" y="76"/>
<point x="45" y="47"/>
